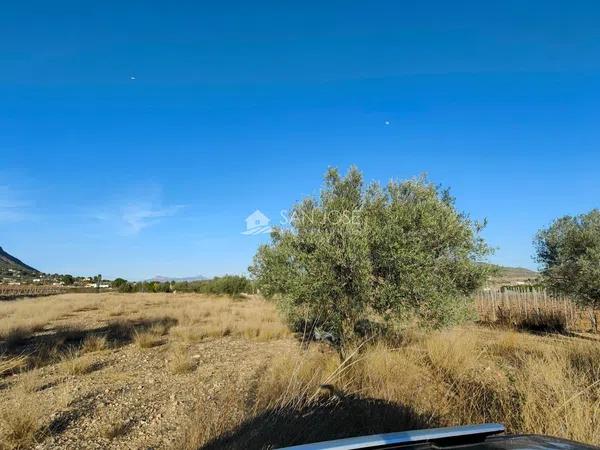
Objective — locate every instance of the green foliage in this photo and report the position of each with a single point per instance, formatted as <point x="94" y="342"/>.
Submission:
<point x="232" y="285"/>
<point x="569" y="253"/>
<point x="118" y="283"/>
<point x="402" y="252"/>
<point x="68" y="280"/>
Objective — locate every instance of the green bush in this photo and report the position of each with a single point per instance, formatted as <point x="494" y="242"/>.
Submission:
<point x="232" y="285"/>
<point x="401" y="252"/>
<point x="569" y="253"/>
<point x="118" y="283"/>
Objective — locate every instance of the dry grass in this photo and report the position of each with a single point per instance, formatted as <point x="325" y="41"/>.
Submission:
<point x="532" y="384"/>
<point x="189" y="334"/>
<point x="74" y="364"/>
<point x="94" y="343"/>
<point x="180" y="361"/>
<point x="70" y="333"/>
<point x="118" y="426"/>
<point x="147" y="339"/>
<point x="21" y="425"/>
<point x="535" y="384"/>
<point x="10" y="365"/>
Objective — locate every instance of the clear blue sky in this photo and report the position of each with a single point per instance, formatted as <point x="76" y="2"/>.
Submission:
<point x="135" y="137"/>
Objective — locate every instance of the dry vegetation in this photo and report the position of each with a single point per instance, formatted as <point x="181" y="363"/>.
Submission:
<point x="187" y="371"/>
<point x="90" y="369"/>
<point x="534" y="309"/>
<point x="532" y="384"/>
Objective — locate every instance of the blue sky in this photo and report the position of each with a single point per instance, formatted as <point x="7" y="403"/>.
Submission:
<point x="135" y="137"/>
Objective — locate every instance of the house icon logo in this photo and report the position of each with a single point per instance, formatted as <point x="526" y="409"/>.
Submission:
<point x="257" y="223"/>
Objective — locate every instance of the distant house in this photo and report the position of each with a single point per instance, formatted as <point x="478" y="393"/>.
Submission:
<point x="256" y="219"/>
<point x="98" y="285"/>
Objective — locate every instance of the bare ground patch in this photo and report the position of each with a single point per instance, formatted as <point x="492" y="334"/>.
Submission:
<point x="86" y="378"/>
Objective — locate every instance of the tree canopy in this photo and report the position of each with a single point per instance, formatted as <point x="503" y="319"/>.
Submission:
<point x="569" y="254"/>
<point x="401" y="251"/>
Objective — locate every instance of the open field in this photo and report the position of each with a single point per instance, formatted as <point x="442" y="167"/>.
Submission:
<point x="190" y="371"/>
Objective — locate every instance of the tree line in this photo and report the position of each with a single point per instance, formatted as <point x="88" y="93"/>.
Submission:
<point x="232" y="285"/>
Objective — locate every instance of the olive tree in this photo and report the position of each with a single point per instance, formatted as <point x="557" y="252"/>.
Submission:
<point x="399" y="252"/>
<point x="569" y="254"/>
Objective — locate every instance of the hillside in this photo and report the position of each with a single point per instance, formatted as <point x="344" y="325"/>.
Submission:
<point x="516" y="272"/>
<point x="8" y="262"/>
<point x="513" y="275"/>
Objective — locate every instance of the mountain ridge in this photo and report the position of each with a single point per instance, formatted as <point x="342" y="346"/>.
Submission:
<point x="7" y="261"/>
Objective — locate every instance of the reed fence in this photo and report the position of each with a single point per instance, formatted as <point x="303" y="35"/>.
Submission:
<point x="514" y="306"/>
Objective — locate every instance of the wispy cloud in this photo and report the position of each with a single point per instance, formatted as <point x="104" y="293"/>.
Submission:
<point x="133" y="213"/>
<point x="136" y="217"/>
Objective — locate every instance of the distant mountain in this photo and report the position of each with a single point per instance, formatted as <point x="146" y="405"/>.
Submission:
<point x="163" y="279"/>
<point x="512" y="275"/>
<point x="517" y="272"/>
<point x="8" y="261"/>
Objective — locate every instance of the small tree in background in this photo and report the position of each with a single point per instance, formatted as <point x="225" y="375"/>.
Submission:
<point x="569" y="254"/>
<point x="402" y="252"/>
<point x="118" y="283"/>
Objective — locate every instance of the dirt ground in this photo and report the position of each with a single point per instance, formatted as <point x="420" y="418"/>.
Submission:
<point x="139" y="389"/>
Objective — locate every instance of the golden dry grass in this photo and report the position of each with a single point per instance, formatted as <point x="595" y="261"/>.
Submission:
<point x="21" y="425"/>
<point x="10" y="365"/>
<point x="180" y="361"/>
<point x="531" y="383"/>
<point x="94" y="343"/>
<point x="74" y="364"/>
<point x="146" y="339"/>
<point x="72" y="331"/>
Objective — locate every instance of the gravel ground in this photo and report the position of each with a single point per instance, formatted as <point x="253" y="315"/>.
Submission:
<point x="129" y="397"/>
<point x="131" y="401"/>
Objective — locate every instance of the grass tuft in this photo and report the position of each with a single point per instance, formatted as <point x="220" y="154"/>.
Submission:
<point x="94" y="343"/>
<point x="74" y="364"/>
<point x="180" y="361"/>
<point x="146" y="339"/>
<point x="21" y="425"/>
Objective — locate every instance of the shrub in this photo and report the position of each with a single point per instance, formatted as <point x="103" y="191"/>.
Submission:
<point x="232" y="285"/>
<point x="569" y="252"/>
<point x="118" y="283"/>
<point x="402" y="251"/>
